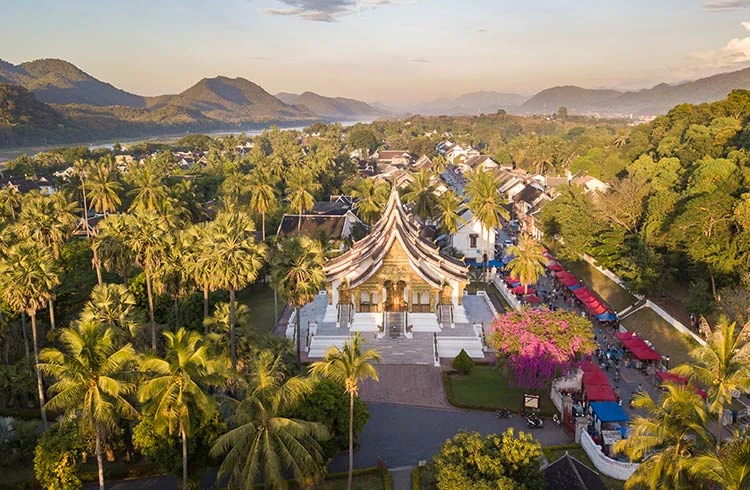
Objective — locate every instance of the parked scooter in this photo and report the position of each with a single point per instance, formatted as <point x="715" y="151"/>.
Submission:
<point x="534" y="422"/>
<point x="556" y="420"/>
<point x="503" y="413"/>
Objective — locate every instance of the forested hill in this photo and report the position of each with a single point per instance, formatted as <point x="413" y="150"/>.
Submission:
<point x="681" y="209"/>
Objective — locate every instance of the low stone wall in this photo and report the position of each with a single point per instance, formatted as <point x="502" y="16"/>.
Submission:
<point x="487" y="299"/>
<point x="610" y="275"/>
<point x="509" y="297"/>
<point x="610" y="467"/>
<point x="673" y="321"/>
<point x="569" y="382"/>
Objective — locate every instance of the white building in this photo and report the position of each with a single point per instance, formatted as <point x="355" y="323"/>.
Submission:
<point x="472" y="239"/>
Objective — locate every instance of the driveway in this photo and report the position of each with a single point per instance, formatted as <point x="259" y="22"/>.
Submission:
<point x="404" y="384"/>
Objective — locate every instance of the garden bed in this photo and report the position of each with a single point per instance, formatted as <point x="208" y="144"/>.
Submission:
<point x="486" y="388"/>
<point x="667" y="340"/>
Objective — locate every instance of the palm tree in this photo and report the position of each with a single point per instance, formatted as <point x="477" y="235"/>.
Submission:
<point x="348" y="366"/>
<point x="237" y="261"/>
<point x="262" y="195"/>
<point x="175" y="392"/>
<point x="297" y="275"/>
<point x="149" y="191"/>
<point x="199" y="263"/>
<point x="300" y="187"/>
<point x="111" y="249"/>
<point x="371" y="198"/>
<point x="263" y="441"/>
<point x="80" y="167"/>
<point x="103" y="187"/>
<point x="91" y="380"/>
<point x="219" y="323"/>
<point x="484" y="201"/>
<point x="448" y="207"/>
<point x="27" y="278"/>
<point x="528" y="261"/>
<point x="668" y="437"/>
<point x="10" y="202"/>
<point x="721" y="365"/>
<point x="729" y="467"/>
<point x="147" y="236"/>
<point x="113" y="306"/>
<point x="421" y="192"/>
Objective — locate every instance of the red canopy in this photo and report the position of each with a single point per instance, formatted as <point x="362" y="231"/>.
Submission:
<point x="638" y="346"/>
<point x="667" y="377"/>
<point x="582" y="292"/>
<point x="590" y="300"/>
<point x="563" y="274"/>
<point x="587" y="366"/>
<point x="511" y="280"/>
<point x="532" y="298"/>
<point x="569" y="281"/>
<point x="522" y="290"/>
<point x="597" y="377"/>
<point x="600" y="393"/>
<point x="596" y="309"/>
<point x="554" y="266"/>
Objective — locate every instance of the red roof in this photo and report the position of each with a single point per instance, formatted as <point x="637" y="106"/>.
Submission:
<point x="600" y="393"/>
<point x="554" y="266"/>
<point x="667" y="377"/>
<point x="569" y="281"/>
<point x="522" y="290"/>
<point x="597" y="377"/>
<point x="563" y="274"/>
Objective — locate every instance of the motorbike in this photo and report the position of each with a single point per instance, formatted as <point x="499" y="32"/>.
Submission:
<point x="556" y="420"/>
<point x="503" y="413"/>
<point x="534" y="422"/>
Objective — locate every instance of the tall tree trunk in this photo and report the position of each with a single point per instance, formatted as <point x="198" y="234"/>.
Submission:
<point x="205" y="305"/>
<point x="275" y="308"/>
<point x="713" y="284"/>
<point x="299" y="223"/>
<point x="25" y="335"/>
<point x="263" y="224"/>
<point x="177" y="312"/>
<point x="51" y="313"/>
<point x="85" y="206"/>
<point x="99" y="460"/>
<point x="232" y="322"/>
<point x="297" y="334"/>
<point x="151" y="310"/>
<point x="39" y="384"/>
<point x="351" y="441"/>
<point x="183" y="436"/>
<point x="720" y="429"/>
<point x="97" y="266"/>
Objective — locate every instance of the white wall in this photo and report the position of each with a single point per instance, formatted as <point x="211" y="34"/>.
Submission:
<point x="608" y="466"/>
<point x="461" y="241"/>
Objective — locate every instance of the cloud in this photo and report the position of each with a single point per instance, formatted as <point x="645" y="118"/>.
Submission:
<point x="481" y="30"/>
<point x="725" y="5"/>
<point x="733" y="55"/>
<point x="325" y="10"/>
<point x="746" y="25"/>
<point x="420" y="60"/>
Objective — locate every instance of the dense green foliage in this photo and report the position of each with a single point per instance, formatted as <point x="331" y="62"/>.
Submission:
<point x="462" y="363"/>
<point x="505" y="461"/>
<point x="57" y="458"/>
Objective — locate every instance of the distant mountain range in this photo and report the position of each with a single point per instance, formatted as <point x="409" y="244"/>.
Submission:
<point x="52" y="101"/>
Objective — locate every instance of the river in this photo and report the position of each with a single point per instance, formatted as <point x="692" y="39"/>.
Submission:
<point x="7" y="154"/>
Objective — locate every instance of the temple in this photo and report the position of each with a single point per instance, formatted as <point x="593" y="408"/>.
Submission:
<point x="394" y="281"/>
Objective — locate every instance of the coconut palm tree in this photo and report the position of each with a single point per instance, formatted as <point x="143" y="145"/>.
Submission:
<point x="10" y="203"/>
<point x="528" y="261"/>
<point x="175" y="392"/>
<point x="218" y="329"/>
<point x="729" y="467"/>
<point x="721" y="365"/>
<point x="264" y="443"/>
<point x="448" y="207"/>
<point x="111" y="249"/>
<point x="233" y="189"/>
<point x="149" y="192"/>
<point x="348" y="366"/>
<point x="113" y="306"/>
<point x="421" y="193"/>
<point x="262" y="195"/>
<point x="371" y="197"/>
<point x="297" y="275"/>
<point x="300" y="188"/>
<point x="237" y="261"/>
<point x="91" y="380"/>
<point x="485" y="201"/>
<point x="148" y="238"/>
<point x="199" y="264"/>
<point x="80" y="166"/>
<point x="103" y="186"/>
<point x="668" y="437"/>
<point x="27" y="278"/>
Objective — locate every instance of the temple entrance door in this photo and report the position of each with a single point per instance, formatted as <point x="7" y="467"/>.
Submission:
<point x="394" y="300"/>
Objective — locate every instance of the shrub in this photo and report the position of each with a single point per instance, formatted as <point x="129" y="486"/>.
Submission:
<point x="463" y="363"/>
<point x="17" y="441"/>
<point x="56" y="458"/>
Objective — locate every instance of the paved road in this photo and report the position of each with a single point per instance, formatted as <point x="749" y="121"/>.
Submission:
<point x="403" y="435"/>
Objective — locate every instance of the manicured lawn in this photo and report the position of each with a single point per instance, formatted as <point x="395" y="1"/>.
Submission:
<point x="575" y="450"/>
<point x="616" y="297"/>
<point x="667" y="340"/>
<point x="259" y="298"/>
<point x="487" y="388"/>
<point x="17" y="477"/>
<point x="369" y="481"/>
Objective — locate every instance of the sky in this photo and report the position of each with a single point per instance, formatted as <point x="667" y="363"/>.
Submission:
<point x="390" y="51"/>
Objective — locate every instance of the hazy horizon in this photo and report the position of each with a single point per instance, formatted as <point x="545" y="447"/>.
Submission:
<point x="388" y="51"/>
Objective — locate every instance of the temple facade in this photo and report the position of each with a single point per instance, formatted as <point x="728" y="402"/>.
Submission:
<point x="395" y="282"/>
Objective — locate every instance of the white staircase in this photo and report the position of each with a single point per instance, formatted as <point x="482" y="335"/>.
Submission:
<point x="424" y="322"/>
<point x="451" y="346"/>
<point x="331" y="315"/>
<point x="459" y="314"/>
<point x="319" y="345"/>
<point x="366" y="322"/>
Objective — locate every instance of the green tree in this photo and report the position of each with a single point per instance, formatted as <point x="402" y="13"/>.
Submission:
<point x="371" y="197"/>
<point x="175" y="392"/>
<point x="297" y="275"/>
<point x="103" y="187"/>
<point x="485" y="201"/>
<point x="263" y="441"/>
<point x="300" y="187"/>
<point x="27" y="278"/>
<point x="421" y="193"/>
<point x="350" y="366"/>
<point x="149" y="192"/>
<point x="468" y="460"/>
<point x="56" y="458"/>
<point x="113" y="306"/>
<point x="448" y="207"/>
<point x="723" y="365"/>
<point x="91" y="380"/>
<point x="729" y="467"/>
<point x="528" y="261"/>
<point x="262" y="195"/>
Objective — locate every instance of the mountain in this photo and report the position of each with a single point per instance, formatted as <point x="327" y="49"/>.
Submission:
<point x="59" y="82"/>
<point x="646" y="102"/>
<point x="231" y="100"/>
<point x="470" y="104"/>
<point x="338" y="108"/>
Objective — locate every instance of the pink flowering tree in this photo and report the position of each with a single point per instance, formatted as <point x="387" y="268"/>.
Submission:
<point x="540" y="344"/>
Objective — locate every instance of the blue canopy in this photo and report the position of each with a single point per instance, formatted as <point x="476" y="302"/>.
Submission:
<point x="607" y="316"/>
<point x="574" y="286"/>
<point x="495" y="263"/>
<point x="609" y="412"/>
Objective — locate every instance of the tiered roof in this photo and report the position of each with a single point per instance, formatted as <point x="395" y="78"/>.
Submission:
<point x="366" y="256"/>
